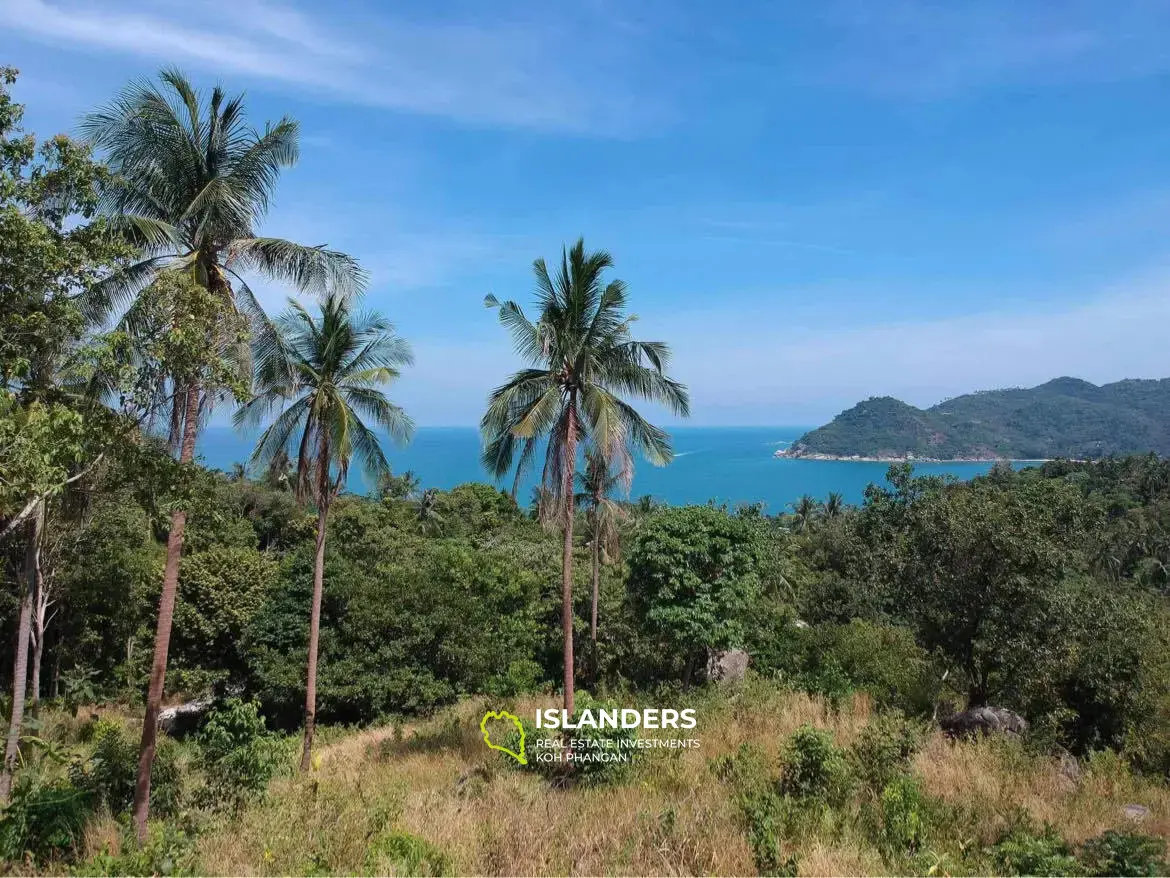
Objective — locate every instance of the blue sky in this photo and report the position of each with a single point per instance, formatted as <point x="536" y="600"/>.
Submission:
<point x="813" y="202"/>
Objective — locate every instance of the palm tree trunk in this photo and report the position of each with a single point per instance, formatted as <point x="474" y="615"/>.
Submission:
<point x="596" y="588"/>
<point x="20" y="664"/>
<point x="570" y="466"/>
<point x="189" y="399"/>
<point x="314" y="637"/>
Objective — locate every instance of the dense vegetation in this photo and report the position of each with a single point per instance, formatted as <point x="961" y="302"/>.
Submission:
<point x="133" y="574"/>
<point x="1066" y="417"/>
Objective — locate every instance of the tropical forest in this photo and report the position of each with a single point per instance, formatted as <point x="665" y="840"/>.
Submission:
<point x="301" y="665"/>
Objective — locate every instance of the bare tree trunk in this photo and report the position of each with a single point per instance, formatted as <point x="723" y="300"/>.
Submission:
<point x="55" y="688"/>
<point x="314" y="637"/>
<point x="32" y="549"/>
<point x="570" y="466"/>
<point x="41" y="602"/>
<point x="189" y="398"/>
<point x="596" y="589"/>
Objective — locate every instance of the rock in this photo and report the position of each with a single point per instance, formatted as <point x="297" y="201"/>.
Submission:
<point x="984" y="720"/>
<point x="1070" y="770"/>
<point x="182" y="719"/>
<point x="1135" y="812"/>
<point x="726" y="666"/>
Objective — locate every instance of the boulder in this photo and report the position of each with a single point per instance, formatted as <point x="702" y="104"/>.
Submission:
<point x="726" y="666"/>
<point x="1135" y="812"/>
<point x="182" y="719"/>
<point x="984" y="720"/>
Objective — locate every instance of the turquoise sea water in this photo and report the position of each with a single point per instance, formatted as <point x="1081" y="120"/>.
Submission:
<point x="725" y="464"/>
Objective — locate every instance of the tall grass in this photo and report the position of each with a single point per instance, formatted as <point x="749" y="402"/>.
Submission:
<point x="381" y="796"/>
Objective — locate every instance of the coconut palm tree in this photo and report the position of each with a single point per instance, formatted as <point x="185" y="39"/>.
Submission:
<point x="320" y="377"/>
<point x="191" y="183"/>
<point x="805" y="511"/>
<point x="834" y="504"/>
<point x="427" y="508"/>
<point x="595" y="486"/>
<point x="581" y="360"/>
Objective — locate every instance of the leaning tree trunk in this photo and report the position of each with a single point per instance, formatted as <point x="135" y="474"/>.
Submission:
<point x="570" y="464"/>
<point x="32" y="548"/>
<point x="314" y="637"/>
<point x="188" y="398"/>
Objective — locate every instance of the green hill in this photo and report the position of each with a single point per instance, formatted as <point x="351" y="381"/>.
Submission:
<point x="1066" y="417"/>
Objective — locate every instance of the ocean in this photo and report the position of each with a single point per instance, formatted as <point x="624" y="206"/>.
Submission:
<point x="726" y="464"/>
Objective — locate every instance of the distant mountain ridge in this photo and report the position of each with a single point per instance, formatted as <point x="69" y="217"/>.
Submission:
<point x="1066" y="417"/>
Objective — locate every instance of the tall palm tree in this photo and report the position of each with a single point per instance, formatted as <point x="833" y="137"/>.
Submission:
<point x="321" y="377"/>
<point x="192" y="180"/>
<point x="595" y="486"/>
<point x="581" y="360"/>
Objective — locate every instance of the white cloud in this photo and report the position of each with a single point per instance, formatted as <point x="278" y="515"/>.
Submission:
<point x="489" y="72"/>
<point x="755" y="368"/>
<point x="921" y="49"/>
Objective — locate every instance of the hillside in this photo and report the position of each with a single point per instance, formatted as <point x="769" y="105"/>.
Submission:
<point x="1066" y="417"/>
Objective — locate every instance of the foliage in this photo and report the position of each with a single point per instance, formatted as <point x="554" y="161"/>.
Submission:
<point x="903" y="811"/>
<point x="44" y="818"/>
<point x="167" y="851"/>
<point x="406" y="854"/>
<point x="238" y="753"/>
<point x="1023" y="852"/>
<point x="320" y="378"/>
<point x="884" y="748"/>
<point x="1124" y="853"/>
<point x="693" y="579"/>
<point x="814" y="768"/>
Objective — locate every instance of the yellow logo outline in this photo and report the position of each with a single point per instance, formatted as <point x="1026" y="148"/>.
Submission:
<point x="503" y="714"/>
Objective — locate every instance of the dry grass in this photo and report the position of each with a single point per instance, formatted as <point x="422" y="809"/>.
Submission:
<point x="436" y="781"/>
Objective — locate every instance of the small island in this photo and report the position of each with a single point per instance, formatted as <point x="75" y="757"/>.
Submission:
<point x="1066" y="417"/>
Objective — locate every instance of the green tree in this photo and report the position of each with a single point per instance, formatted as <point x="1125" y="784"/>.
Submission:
<point x="693" y="579"/>
<point x="804" y="513"/>
<point x="51" y="251"/>
<point x="834" y="505"/>
<point x="322" y="377"/>
<point x="582" y="360"/>
<point x="192" y="181"/>
<point x="979" y="572"/>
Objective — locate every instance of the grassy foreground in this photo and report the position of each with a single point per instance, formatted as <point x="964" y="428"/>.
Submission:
<point x="429" y="798"/>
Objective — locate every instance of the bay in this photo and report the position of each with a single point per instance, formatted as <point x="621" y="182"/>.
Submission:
<point x="726" y="464"/>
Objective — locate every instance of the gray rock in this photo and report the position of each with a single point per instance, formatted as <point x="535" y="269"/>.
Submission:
<point x="182" y="719"/>
<point x="984" y="720"/>
<point x="1135" y="812"/>
<point x="726" y="666"/>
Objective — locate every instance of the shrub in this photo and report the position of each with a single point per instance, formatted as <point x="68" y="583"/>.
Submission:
<point x="903" y="816"/>
<point x="1123" y="853"/>
<point x="408" y="855"/>
<point x="108" y="775"/>
<point x="1022" y="852"/>
<point x="43" y="819"/>
<point x="884" y="749"/>
<point x="764" y="815"/>
<point x="167" y="851"/>
<point x="814" y="767"/>
<point x="239" y="755"/>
